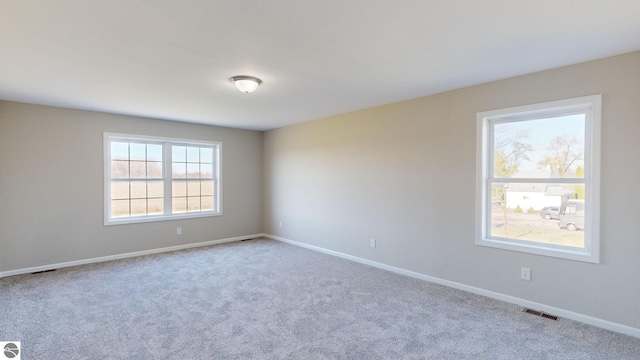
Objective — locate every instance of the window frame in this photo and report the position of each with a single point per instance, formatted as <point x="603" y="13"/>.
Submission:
<point x="592" y="107"/>
<point x="167" y="177"/>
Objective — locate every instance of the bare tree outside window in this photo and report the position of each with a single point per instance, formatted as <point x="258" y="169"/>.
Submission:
<point x="564" y="152"/>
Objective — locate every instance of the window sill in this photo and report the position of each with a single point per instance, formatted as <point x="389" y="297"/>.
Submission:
<point x="145" y="219"/>
<point x="557" y="251"/>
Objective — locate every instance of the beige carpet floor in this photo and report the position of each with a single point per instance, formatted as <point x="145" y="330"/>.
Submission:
<point x="262" y="299"/>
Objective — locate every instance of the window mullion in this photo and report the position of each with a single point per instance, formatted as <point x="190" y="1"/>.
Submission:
<point x="539" y="180"/>
<point x="167" y="171"/>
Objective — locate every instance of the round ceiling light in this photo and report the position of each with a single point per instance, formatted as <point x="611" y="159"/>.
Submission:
<point x="246" y="84"/>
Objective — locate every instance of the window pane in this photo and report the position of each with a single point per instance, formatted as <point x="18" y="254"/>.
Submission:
<point x="178" y="153"/>
<point x="193" y="188"/>
<point x="138" y="190"/>
<point x="119" y="151"/>
<point x="206" y="155"/>
<point x="179" y="188"/>
<point x="119" y="169"/>
<point x="139" y="207"/>
<point x="193" y="171"/>
<point x="154" y="152"/>
<point x="179" y="205"/>
<point x="193" y="154"/>
<point x="534" y="212"/>
<point x="155" y="189"/>
<point x="206" y="187"/>
<point x="154" y="169"/>
<point x="119" y="208"/>
<point x="138" y="169"/>
<point x="206" y="203"/>
<point x="179" y="170"/>
<point x="540" y="148"/>
<point x="156" y="206"/>
<point x="206" y="171"/>
<point x="193" y="203"/>
<point x="138" y="151"/>
<point x="120" y="190"/>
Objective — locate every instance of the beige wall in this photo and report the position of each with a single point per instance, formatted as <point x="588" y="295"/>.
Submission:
<point x="51" y="186"/>
<point x="404" y="174"/>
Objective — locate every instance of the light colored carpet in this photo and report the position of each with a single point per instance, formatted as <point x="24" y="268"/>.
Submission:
<point x="262" y="299"/>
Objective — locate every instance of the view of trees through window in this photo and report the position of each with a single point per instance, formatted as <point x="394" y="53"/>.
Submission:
<point x="537" y="185"/>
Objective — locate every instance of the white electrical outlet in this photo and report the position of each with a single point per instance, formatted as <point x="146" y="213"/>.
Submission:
<point x="372" y="243"/>
<point x="280" y="224"/>
<point x="179" y="231"/>
<point x="525" y="273"/>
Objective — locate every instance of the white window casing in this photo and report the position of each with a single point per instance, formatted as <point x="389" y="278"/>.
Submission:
<point x="487" y="181"/>
<point x="189" y="184"/>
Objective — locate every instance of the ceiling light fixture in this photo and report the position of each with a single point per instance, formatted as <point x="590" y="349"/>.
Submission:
<point x="246" y="84"/>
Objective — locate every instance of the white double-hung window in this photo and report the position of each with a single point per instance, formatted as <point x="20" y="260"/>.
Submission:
<point x="538" y="178"/>
<point x="154" y="178"/>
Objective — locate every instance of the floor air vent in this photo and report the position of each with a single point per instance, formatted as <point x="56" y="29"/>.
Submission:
<point x="542" y="314"/>
<point x="43" y="271"/>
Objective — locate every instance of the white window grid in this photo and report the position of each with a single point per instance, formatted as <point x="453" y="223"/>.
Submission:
<point x="166" y="178"/>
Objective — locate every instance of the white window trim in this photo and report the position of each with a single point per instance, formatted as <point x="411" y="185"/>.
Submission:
<point x="166" y="162"/>
<point x="593" y="105"/>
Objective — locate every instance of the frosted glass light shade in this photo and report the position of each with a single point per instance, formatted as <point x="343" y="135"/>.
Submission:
<point x="246" y="84"/>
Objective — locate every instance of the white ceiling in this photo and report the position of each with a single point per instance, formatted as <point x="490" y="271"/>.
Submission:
<point x="171" y="59"/>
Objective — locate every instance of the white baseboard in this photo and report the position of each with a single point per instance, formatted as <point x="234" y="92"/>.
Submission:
<point x="123" y="256"/>
<point x="623" y="329"/>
